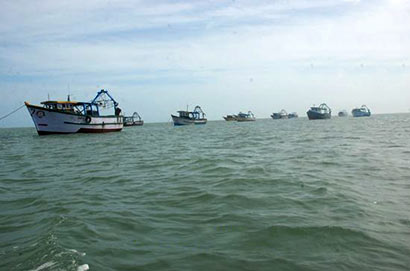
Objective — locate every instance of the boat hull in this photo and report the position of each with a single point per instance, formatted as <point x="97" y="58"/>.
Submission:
<point x="49" y="121"/>
<point x="277" y="116"/>
<point x="178" y="121"/>
<point x="245" y="119"/>
<point x="230" y="118"/>
<point x="358" y="114"/>
<point x="135" y="123"/>
<point x="313" y="115"/>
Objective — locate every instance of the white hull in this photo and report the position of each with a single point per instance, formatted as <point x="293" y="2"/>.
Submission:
<point x="54" y="122"/>
<point x="186" y="121"/>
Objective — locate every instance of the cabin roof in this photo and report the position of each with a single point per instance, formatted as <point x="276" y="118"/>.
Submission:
<point x="65" y="102"/>
<point x="59" y="102"/>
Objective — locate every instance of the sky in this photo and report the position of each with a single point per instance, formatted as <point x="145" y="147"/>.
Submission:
<point x="157" y="57"/>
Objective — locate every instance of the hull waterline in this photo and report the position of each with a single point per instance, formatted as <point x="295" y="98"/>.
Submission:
<point x="178" y="121"/>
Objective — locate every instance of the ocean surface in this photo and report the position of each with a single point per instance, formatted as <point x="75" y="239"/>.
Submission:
<point x="265" y="195"/>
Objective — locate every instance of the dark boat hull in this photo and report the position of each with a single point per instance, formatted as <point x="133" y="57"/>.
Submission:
<point x="135" y="123"/>
<point x="312" y="115"/>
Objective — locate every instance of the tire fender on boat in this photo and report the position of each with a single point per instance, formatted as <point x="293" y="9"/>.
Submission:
<point x="88" y="119"/>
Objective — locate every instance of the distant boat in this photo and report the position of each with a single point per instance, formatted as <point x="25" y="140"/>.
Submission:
<point x="280" y="115"/>
<point x="319" y="112"/>
<point x="230" y="117"/>
<point x="190" y="117"/>
<point x="245" y="117"/>
<point x="342" y="113"/>
<point x="363" y="111"/>
<point x="67" y="117"/>
<point x="134" y="120"/>
<point x="293" y="115"/>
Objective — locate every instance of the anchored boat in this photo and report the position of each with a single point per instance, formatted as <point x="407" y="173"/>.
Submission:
<point x="134" y="120"/>
<point x="319" y="112"/>
<point x="363" y="111"/>
<point x="67" y="117"/>
<point x="342" y="113"/>
<point x="245" y="117"/>
<point x="190" y="117"/>
<point x="280" y="115"/>
<point x="230" y="117"/>
<point x="293" y="115"/>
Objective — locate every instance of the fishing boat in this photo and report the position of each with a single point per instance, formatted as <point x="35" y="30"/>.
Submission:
<point x="319" y="112"/>
<point x="293" y="115"/>
<point x="67" y="117"/>
<point x="245" y="117"/>
<point x="230" y="117"/>
<point x="280" y="115"/>
<point x="363" y="111"/>
<point x="190" y="117"/>
<point x="134" y="120"/>
<point x="342" y="113"/>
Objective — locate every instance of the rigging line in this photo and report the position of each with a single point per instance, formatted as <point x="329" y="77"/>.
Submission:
<point x="14" y="111"/>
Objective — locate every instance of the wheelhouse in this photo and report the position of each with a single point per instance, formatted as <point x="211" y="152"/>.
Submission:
<point x="80" y="108"/>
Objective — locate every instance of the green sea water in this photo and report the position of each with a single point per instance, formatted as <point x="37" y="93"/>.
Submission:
<point x="265" y="195"/>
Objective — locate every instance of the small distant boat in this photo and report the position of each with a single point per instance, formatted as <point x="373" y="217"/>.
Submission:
<point x="67" y="117"/>
<point x="230" y="117"/>
<point x="342" y="113"/>
<point x="134" y="120"/>
<point x="293" y="115"/>
<point x="319" y="112"/>
<point x="363" y="111"/>
<point x="245" y="117"/>
<point x="280" y="115"/>
<point x="190" y="117"/>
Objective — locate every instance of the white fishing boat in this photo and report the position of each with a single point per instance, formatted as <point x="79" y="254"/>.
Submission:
<point x="190" y="117"/>
<point x="241" y="117"/>
<point x="67" y="117"/>
<point x="280" y="115"/>
<point x="134" y="120"/>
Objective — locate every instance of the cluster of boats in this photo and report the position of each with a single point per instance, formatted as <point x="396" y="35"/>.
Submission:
<point x="64" y="117"/>
<point x="284" y="115"/>
<point x="324" y="112"/>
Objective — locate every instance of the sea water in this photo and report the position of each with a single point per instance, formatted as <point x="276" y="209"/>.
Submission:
<point x="266" y="195"/>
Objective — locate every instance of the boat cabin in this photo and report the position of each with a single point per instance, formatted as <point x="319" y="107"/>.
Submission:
<point x="197" y="114"/>
<point x="87" y="109"/>
<point x="322" y="109"/>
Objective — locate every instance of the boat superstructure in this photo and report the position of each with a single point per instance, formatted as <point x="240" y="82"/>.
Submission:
<point x="293" y="115"/>
<point x="342" y="113"/>
<point x="190" y="117"/>
<point x="134" y="120"/>
<point x="319" y="112"/>
<point x="66" y="117"/>
<point x="363" y="111"/>
<point x="280" y="115"/>
<point x="245" y="117"/>
<point x="230" y="117"/>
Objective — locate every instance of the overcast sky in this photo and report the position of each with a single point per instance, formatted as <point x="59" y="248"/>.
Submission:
<point x="156" y="57"/>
